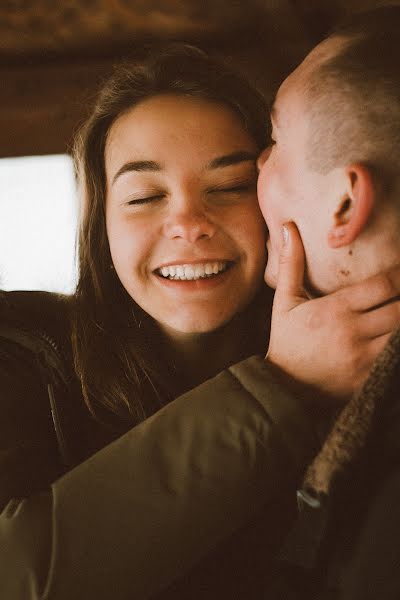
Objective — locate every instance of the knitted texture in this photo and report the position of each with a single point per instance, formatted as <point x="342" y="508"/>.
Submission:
<point x="350" y="431"/>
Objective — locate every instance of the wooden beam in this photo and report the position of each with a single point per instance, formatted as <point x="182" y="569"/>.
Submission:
<point x="41" y="106"/>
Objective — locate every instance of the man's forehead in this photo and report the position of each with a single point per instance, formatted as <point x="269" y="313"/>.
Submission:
<point x="275" y="114"/>
<point x="322" y="52"/>
<point x="292" y="88"/>
<point x="288" y="91"/>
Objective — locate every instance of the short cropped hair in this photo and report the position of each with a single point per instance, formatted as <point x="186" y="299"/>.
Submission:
<point x="353" y="97"/>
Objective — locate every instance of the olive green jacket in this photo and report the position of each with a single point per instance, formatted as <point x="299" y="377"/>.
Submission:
<point x="144" y="511"/>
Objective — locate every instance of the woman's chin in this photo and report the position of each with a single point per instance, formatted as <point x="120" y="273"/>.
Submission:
<point x="181" y="329"/>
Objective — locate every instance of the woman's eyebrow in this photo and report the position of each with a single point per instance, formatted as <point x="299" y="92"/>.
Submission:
<point x="231" y="159"/>
<point x="221" y="161"/>
<point x="137" y="165"/>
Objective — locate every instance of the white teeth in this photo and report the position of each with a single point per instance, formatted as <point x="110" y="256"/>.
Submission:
<point x="190" y="272"/>
<point x="199" y="271"/>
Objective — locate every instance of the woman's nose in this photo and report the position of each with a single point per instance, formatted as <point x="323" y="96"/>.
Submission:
<point x="262" y="159"/>
<point x="189" y="222"/>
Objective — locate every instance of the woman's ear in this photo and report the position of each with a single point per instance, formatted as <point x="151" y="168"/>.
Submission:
<point x="355" y="207"/>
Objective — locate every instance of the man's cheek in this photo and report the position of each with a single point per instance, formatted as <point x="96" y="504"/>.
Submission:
<point x="262" y="194"/>
<point x="271" y="272"/>
<point x="268" y="207"/>
<point x="272" y="213"/>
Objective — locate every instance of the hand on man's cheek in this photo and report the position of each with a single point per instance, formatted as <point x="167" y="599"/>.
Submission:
<point x="328" y="344"/>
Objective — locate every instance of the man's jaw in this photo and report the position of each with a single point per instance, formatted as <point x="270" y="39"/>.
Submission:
<point x="271" y="276"/>
<point x="271" y="279"/>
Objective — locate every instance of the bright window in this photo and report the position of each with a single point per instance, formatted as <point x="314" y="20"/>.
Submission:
<point x="38" y="216"/>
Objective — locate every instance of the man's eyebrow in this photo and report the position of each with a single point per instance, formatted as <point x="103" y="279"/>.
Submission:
<point x="231" y="159"/>
<point x="137" y="165"/>
<point x="274" y="116"/>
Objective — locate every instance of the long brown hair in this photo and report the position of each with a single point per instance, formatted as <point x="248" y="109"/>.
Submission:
<point x="117" y="350"/>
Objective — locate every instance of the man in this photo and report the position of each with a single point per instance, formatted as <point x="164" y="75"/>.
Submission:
<point x="333" y="171"/>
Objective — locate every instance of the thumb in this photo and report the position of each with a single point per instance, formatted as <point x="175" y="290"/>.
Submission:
<point x="290" y="283"/>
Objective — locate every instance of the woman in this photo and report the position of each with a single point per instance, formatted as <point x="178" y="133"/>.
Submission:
<point x="169" y="156"/>
<point x="170" y="293"/>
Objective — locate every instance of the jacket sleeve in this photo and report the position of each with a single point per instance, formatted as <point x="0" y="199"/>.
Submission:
<point x="135" y="516"/>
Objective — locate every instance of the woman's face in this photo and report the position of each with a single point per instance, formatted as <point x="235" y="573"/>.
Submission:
<point x="186" y="235"/>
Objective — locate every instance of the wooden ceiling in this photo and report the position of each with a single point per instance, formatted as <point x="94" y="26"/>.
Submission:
<point x="53" y="54"/>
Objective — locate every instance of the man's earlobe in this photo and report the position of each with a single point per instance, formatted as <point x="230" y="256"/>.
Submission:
<point x="354" y="208"/>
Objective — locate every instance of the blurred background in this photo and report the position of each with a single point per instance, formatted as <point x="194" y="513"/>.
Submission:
<point x="54" y="56"/>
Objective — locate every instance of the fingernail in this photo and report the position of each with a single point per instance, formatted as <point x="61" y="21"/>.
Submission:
<point x="285" y="235"/>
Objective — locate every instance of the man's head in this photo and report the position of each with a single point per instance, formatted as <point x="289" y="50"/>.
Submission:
<point x="334" y="164"/>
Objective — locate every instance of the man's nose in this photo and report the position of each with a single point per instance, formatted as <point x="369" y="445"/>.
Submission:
<point x="262" y="159"/>
<point x="189" y="221"/>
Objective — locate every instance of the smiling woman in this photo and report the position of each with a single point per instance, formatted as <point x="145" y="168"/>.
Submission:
<point x="173" y="199"/>
<point x="184" y="228"/>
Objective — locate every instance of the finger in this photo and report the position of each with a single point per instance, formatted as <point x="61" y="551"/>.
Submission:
<point x="289" y="287"/>
<point x="372" y="292"/>
<point x="378" y="322"/>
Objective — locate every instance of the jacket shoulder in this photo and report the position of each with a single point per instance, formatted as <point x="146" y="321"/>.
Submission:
<point x="29" y="456"/>
<point x="31" y="310"/>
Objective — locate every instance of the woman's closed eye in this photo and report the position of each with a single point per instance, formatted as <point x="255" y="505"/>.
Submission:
<point x="230" y="190"/>
<point x="145" y="199"/>
<point x="238" y="189"/>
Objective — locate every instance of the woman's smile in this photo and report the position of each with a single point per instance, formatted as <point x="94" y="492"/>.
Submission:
<point x="188" y="271"/>
<point x="198" y="277"/>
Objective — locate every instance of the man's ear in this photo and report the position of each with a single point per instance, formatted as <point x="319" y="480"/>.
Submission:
<point x="355" y="207"/>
